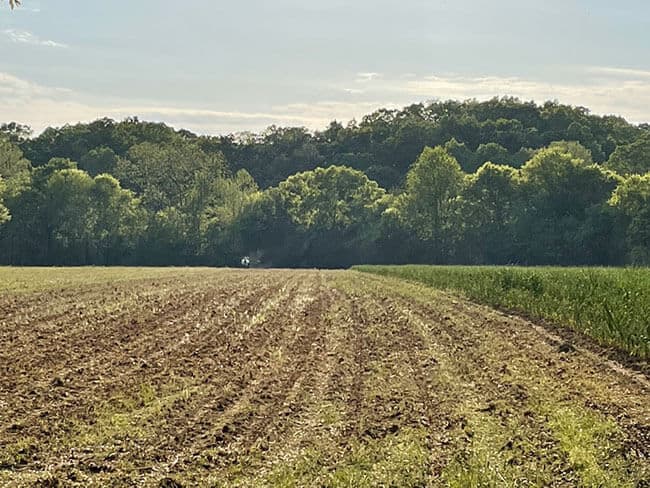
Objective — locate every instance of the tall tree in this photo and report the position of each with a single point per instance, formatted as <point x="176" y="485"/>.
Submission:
<point x="29" y="237"/>
<point x="632" y="199"/>
<point x="221" y="218"/>
<point x="426" y="206"/>
<point x="68" y="197"/>
<point x="561" y="197"/>
<point x="335" y="214"/>
<point x="118" y="221"/>
<point x="4" y="212"/>
<point x="487" y="214"/>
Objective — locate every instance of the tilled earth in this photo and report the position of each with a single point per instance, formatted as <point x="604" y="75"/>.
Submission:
<point x="303" y="378"/>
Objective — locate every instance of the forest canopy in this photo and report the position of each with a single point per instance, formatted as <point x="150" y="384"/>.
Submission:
<point x="501" y="181"/>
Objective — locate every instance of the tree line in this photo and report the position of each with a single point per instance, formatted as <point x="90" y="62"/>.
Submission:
<point x="493" y="182"/>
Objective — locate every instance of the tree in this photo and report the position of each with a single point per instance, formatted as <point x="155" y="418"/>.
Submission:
<point x="118" y="222"/>
<point x="164" y="174"/>
<point x="574" y="148"/>
<point x="426" y="206"/>
<point x="68" y="197"/>
<point x="334" y="213"/>
<point x="99" y="160"/>
<point x="29" y="237"/>
<point x="12" y="162"/>
<point x="487" y="213"/>
<point x="462" y="153"/>
<point x="15" y="132"/>
<point x="632" y="200"/>
<point x="561" y="197"/>
<point x="4" y="212"/>
<point x="166" y="240"/>
<point x="221" y="218"/>
<point x="491" y="152"/>
<point x="631" y="158"/>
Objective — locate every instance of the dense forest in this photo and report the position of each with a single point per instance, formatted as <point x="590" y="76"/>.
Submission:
<point x="496" y="182"/>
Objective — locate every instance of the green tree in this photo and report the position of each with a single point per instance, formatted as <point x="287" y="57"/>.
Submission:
<point x="118" y="222"/>
<point x="68" y="197"/>
<point x="166" y="240"/>
<point x="99" y="160"/>
<point x="15" y="132"/>
<point x="561" y="198"/>
<point x="631" y="158"/>
<point x="491" y="152"/>
<point x="266" y="229"/>
<point x="427" y="204"/>
<point x="575" y="149"/>
<point x="487" y="214"/>
<point x="632" y="200"/>
<point x="4" y="212"/>
<point x="12" y="162"/>
<point x="462" y="153"/>
<point x="29" y="237"/>
<point x="222" y="218"/>
<point x="163" y="175"/>
<point x="335" y="214"/>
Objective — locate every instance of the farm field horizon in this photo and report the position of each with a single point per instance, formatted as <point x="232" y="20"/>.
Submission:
<point x="233" y="377"/>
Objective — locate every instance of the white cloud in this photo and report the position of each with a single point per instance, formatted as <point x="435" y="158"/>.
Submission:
<point x="620" y="72"/>
<point x="26" y="37"/>
<point x="366" y="77"/>
<point x="39" y="106"/>
<point x="607" y="93"/>
<point x="604" y="91"/>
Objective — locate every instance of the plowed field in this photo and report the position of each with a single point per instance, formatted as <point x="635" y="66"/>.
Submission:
<point x="300" y="378"/>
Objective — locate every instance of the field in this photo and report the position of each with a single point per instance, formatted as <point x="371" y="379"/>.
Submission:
<point x="612" y="305"/>
<point x="204" y="377"/>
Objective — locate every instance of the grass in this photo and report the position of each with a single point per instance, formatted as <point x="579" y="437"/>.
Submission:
<point x="400" y="459"/>
<point x="589" y="442"/>
<point x="128" y="416"/>
<point x="611" y="305"/>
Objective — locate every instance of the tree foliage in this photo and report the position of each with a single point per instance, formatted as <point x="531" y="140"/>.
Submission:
<point x="501" y="181"/>
<point x="632" y="200"/>
<point x="4" y="212"/>
<point x="633" y="158"/>
<point x="432" y="184"/>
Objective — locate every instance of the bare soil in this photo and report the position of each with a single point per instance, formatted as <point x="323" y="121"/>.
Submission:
<point x="304" y="378"/>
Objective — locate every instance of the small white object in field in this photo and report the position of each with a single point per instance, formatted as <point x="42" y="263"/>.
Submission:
<point x="245" y="261"/>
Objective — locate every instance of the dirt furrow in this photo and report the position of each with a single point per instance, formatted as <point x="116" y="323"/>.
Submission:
<point x="303" y="378"/>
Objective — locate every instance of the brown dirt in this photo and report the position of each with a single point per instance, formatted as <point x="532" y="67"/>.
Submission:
<point x="253" y="377"/>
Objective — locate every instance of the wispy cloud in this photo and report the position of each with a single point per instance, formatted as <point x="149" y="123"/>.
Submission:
<point x="366" y="77"/>
<point x="620" y="72"/>
<point x="41" y="106"/>
<point x="604" y="92"/>
<point x="619" y="95"/>
<point x="26" y="37"/>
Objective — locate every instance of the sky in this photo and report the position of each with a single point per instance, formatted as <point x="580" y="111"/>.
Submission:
<point x="217" y="67"/>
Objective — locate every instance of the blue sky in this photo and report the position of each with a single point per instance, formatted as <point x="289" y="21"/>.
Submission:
<point x="218" y="67"/>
